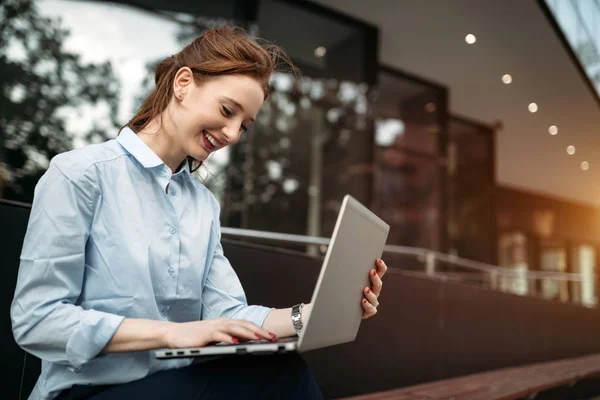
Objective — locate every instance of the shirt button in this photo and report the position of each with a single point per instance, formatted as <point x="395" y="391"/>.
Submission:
<point x="171" y="271"/>
<point x="172" y="231"/>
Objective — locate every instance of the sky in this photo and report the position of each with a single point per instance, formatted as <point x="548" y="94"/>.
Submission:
<point x="126" y="36"/>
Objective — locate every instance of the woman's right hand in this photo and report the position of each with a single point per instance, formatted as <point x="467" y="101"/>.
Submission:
<point x="201" y="333"/>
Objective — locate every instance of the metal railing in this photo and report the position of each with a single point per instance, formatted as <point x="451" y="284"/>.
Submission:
<point x="566" y="287"/>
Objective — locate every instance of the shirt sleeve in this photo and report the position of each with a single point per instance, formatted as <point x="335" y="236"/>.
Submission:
<point x="223" y="295"/>
<point x="46" y="319"/>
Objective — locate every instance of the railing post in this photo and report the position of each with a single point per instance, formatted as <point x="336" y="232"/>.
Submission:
<point x="494" y="279"/>
<point x="430" y="263"/>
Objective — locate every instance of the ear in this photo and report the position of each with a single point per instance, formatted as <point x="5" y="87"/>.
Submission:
<point x="183" y="79"/>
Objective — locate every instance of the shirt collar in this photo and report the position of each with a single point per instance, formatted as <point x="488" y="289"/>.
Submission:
<point x="140" y="150"/>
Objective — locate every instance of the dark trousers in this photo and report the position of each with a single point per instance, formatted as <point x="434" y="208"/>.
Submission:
<point x="281" y="376"/>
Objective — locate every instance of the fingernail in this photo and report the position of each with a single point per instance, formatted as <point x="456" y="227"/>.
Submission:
<point x="373" y="273"/>
<point x="364" y="301"/>
<point x="273" y="336"/>
<point x="235" y="340"/>
<point x="379" y="260"/>
<point x="258" y="336"/>
<point x="368" y="290"/>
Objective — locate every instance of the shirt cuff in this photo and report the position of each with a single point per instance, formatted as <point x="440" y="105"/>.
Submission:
<point x="254" y="314"/>
<point x="95" y="330"/>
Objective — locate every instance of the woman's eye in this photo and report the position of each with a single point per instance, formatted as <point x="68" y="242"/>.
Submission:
<point x="226" y="112"/>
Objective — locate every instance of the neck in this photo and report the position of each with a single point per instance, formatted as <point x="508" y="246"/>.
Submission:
<point x="158" y="137"/>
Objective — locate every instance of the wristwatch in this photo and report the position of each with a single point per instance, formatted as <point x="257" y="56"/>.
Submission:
<point x="297" y="318"/>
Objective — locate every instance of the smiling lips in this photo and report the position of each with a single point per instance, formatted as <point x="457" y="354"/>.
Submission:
<point x="210" y="141"/>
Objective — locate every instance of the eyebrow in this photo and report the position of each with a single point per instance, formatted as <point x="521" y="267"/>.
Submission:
<point x="238" y="105"/>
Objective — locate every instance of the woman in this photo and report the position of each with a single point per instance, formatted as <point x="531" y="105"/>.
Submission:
<point x="123" y="255"/>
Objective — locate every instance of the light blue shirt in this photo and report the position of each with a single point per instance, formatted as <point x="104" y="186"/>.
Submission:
<point x="106" y="242"/>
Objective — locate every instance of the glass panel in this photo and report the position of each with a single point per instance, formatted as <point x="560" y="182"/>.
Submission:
<point x="307" y="149"/>
<point x="512" y="253"/>
<point x="326" y="47"/>
<point x="407" y="178"/>
<point x="584" y="263"/>
<point x="553" y="257"/>
<point x="312" y="141"/>
<point x="471" y="186"/>
<point x="106" y="69"/>
<point x="580" y="22"/>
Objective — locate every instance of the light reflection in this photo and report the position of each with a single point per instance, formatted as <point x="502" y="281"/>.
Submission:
<point x="290" y="185"/>
<point x="274" y="170"/>
<point x="320" y="52"/>
<point x="387" y="130"/>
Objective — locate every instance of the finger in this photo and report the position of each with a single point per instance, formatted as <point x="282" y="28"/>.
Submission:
<point x="241" y="332"/>
<point x="381" y="267"/>
<point x="376" y="283"/>
<point x="368" y="309"/>
<point x="219" y="336"/>
<point x="259" y="332"/>
<point x="371" y="298"/>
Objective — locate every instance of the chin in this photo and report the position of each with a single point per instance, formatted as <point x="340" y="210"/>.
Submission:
<point x="198" y="153"/>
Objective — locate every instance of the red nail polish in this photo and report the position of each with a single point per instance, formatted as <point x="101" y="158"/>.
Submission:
<point x="364" y="301"/>
<point x="258" y="336"/>
<point x="368" y="290"/>
<point x="374" y="273"/>
<point x="235" y="340"/>
<point x="273" y="336"/>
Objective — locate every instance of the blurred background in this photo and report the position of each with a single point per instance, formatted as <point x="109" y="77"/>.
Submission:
<point x="470" y="126"/>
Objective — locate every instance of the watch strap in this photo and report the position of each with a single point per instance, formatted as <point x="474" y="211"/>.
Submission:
<point x="297" y="318"/>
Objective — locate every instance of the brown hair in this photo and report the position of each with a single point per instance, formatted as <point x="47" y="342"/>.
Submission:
<point x="218" y="51"/>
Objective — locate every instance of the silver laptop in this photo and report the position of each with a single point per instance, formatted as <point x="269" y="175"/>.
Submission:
<point x="358" y="240"/>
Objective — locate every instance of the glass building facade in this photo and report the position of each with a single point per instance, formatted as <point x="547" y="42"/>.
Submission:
<point x="77" y="71"/>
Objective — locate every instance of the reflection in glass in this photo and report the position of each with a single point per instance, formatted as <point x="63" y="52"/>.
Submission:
<point x="307" y="148"/>
<point x="72" y="81"/>
<point x="584" y="263"/>
<point x="512" y="253"/>
<point x="311" y="143"/>
<point x="406" y="169"/>
<point x="50" y="90"/>
<point x="553" y="258"/>
<point x="471" y="187"/>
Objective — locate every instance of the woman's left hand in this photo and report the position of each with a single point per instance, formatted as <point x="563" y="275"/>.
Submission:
<point x="369" y="301"/>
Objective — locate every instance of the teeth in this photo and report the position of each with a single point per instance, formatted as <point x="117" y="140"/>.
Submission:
<point x="211" y="139"/>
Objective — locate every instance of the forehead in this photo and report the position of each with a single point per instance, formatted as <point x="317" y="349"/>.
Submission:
<point x="240" y="88"/>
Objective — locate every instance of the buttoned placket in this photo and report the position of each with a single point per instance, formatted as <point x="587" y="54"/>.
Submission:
<point x="173" y="228"/>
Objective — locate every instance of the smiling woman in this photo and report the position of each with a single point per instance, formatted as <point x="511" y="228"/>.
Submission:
<point x="206" y="95"/>
<point x="126" y="244"/>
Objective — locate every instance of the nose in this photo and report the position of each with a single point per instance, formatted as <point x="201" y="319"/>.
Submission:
<point x="231" y="133"/>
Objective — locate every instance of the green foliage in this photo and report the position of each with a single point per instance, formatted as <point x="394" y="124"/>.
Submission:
<point x="40" y="82"/>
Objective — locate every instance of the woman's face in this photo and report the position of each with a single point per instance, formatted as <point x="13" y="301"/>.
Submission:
<point x="210" y="115"/>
